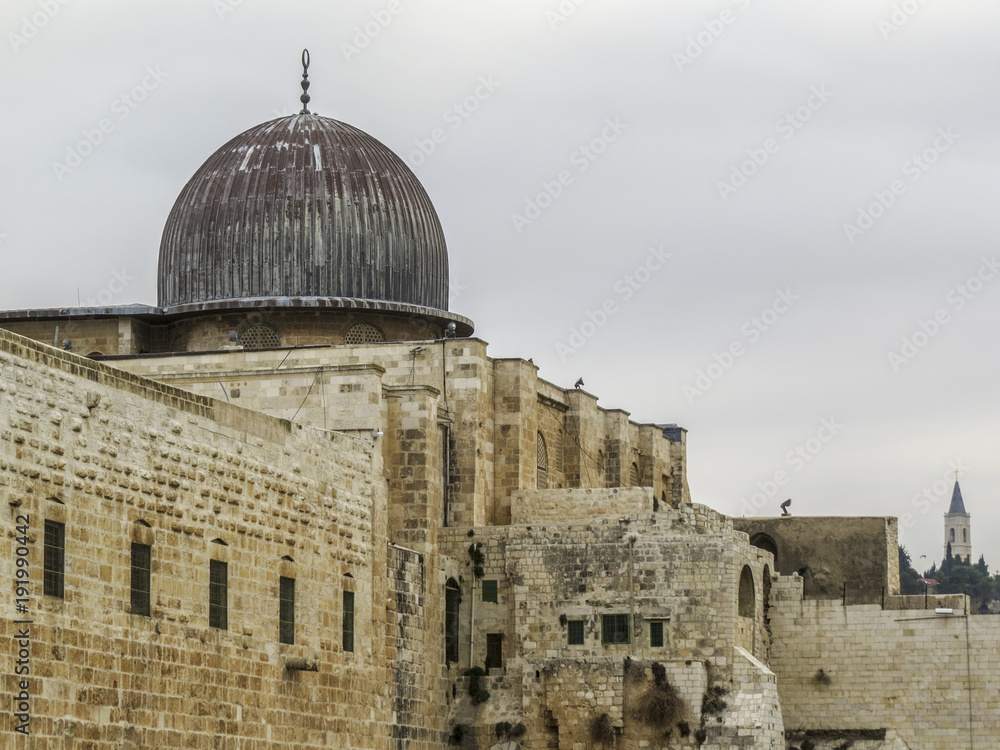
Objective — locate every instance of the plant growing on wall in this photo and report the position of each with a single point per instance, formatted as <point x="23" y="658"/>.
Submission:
<point x="478" y="559"/>
<point x="602" y="730"/>
<point x="661" y="705"/>
<point x="476" y="691"/>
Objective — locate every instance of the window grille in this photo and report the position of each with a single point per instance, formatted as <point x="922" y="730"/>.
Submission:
<point x="218" y="595"/>
<point x="363" y="333"/>
<point x="286" y="610"/>
<point x="259" y="337"/>
<point x="141" y="559"/>
<point x="54" y="574"/>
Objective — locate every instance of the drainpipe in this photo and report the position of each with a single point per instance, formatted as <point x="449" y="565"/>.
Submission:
<point x="631" y="592"/>
<point x="472" y="624"/>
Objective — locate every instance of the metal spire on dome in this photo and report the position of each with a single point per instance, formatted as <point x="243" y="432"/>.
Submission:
<point x="305" y="83"/>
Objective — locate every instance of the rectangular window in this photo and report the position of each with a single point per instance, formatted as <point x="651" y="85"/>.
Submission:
<point x="218" y="595"/>
<point x="491" y="591"/>
<point x="141" y="558"/>
<point x="574" y="629"/>
<point x="55" y="559"/>
<point x="452" y="600"/>
<point x="286" y="610"/>
<point x="615" y="629"/>
<point x="494" y="651"/>
<point x="656" y="634"/>
<point x="348" y="621"/>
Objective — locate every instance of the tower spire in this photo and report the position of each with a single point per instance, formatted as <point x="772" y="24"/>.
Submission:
<point x="305" y="83"/>
<point x="958" y="527"/>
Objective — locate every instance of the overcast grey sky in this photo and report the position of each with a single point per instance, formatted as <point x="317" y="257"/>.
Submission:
<point x="770" y="222"/>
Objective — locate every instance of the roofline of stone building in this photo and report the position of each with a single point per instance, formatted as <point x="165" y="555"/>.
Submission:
<point x="464" y="326"/>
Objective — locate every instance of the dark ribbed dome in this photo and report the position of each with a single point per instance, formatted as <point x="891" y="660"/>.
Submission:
<point x="304" y="207"/>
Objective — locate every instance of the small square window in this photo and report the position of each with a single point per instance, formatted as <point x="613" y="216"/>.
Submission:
<point x="574" y="630"/>
<point x="491" y="591"/>
<point x="656" y="634"/>
<point x="615" y="629"/>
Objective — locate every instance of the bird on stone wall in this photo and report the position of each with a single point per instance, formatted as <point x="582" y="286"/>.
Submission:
<point x="784" y="507"/>
<point x="579" y="384"/>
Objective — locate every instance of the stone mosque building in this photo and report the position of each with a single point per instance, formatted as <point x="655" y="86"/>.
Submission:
<point x="296" y="504"/>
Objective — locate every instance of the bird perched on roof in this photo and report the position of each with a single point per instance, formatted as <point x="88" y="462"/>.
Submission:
<point x="784" y="507"/>
<point x="578" y="384"/>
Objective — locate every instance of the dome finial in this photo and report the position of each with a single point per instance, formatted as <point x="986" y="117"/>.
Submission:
<point x="305" y="83"/>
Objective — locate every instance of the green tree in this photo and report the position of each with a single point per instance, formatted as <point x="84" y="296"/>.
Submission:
<point x="958" y="577"/>
<point x="909" y="579"/>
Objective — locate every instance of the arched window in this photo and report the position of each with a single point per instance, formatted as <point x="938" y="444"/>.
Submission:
<point x="452" y="598"/>
<point x="259" y="337"/>
<point x="633" y="475"/>
<point x="746" y="598"/>
<point x="542" y="465"/>
<point x="766" y="543"/>
<point x="364" y="333"/>
<point x="953" y="535"/>
<point x="965" y="536"/>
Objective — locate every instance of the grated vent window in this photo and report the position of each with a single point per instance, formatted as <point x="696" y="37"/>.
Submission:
<point x="259" y="337"/>
<point x="363" y="333"/>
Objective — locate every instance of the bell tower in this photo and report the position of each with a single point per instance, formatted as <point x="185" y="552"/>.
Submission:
<point x="958" y="527"/>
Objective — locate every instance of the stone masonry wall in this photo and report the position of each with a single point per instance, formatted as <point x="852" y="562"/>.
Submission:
<point x="680" y="568"/>
<point x="933" y="678"/>
<point x="856" y="555"/>
<point x="557" y="506"/>
<point x="118" y="459"/>
<point x="493" y="411"/>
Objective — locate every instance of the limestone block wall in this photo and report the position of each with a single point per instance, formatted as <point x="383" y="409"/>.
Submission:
<point x="934" y="679"/>
<point x="411" y="449"/>
<point x="118" y="459"/>
<point x="492" y="411"/>
<point x="99" y="335"/>
<point x="679" y="569"/>
<point x="830" y="552"/>
<point x="557" y="506"/>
